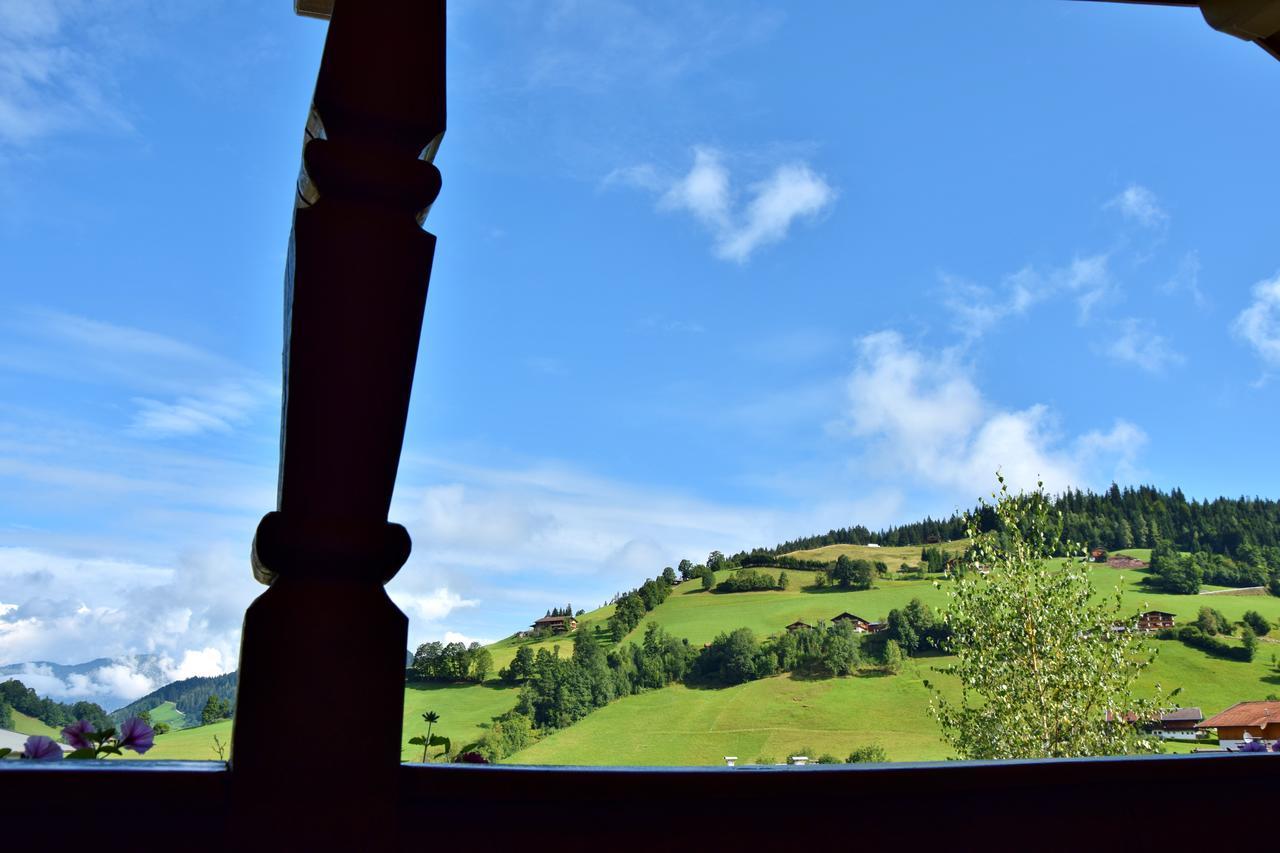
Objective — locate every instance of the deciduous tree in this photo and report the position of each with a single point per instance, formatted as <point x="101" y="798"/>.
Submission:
<point x="1042" y="674"/>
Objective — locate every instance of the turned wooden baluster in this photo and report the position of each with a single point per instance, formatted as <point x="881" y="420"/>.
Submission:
<point x="318" y="719"/>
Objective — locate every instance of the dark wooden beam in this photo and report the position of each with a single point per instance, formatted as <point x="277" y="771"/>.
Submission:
<point x="322" y="652"/>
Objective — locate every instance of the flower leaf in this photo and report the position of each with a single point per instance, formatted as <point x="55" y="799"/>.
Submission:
<point x="83" y="753"/>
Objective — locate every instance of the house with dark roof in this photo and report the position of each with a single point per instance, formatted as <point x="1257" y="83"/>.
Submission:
<point x="1245" y="721"/>
<point x="799" y="626"/>
<point x="1178" y="724"/>
<point x="862" y="626"/>
<point x="557" y="624"/>
<point x="859" y="624"/>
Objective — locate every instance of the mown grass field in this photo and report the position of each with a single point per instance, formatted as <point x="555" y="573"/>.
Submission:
<point x="892" y="557"/>
<point x="31" y="726"/>
<point x="761" y="721"/>
<point x="197" y="743"/>
<point x="168" y="713"/>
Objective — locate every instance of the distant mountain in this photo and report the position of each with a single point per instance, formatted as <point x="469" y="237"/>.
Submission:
<point x="189" y="695"/>
<point x="98" y="680"/>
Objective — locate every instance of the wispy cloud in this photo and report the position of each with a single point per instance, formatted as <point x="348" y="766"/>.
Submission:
<point x="925" y="419"/>
<point x="592" y="47"/>
<point x="739" y="226"/>
<point x="1138" y="204"/>
<point x="176" y="388"/>
<point x="1259" y="324"/>
<point x="1186" y="279"/>
<point x="977" y="308"/>
<point x="217" y="409"/>
<point x="51" y="80"/>
<point x="1135" y="341"/>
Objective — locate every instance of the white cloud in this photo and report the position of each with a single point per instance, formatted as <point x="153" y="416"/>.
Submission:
<point x="1135" y="341"/>
<point x="979" y="308"/>
<point x="704" y="191"/>
<point x="455" y="637"/>
<point x="217" y="409"/>
<point x="1259" y="324"/>
<point x="1138" y="204"/>
<point x="434" y="606"/>
<point x="72" y="609"/>
<point x="928" y="423"/>
<point x="793" y="191"/>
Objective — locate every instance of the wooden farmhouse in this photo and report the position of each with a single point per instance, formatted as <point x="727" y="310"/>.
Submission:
<point x="557" y="624"/>
<point x="1258" y="720"/>
<point x="1179" y="724"/>
<point x="859" y="624"/>
<point x="1154" y="620"/>
<point x="799" y="626"/>
<point x="1098" y="555"/>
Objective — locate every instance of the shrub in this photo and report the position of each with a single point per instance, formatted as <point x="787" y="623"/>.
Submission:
<point x="1197" y="639"/>
<point x="892" y="657"/>
<point x="872" y="753"/>
<point x="1257" y="622"/>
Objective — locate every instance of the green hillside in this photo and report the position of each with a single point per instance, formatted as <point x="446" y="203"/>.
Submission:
<point x="771" y="718"/>
<point x="764" y="720"/>
<point x="31" y="726"/>
<point x="168" y="713"/>
<point x="776" y="717"/>
<point x="193" y="743"/>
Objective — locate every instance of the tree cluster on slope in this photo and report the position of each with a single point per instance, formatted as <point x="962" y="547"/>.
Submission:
<point x="23" y="699"/>
<point x="452" y="662"/>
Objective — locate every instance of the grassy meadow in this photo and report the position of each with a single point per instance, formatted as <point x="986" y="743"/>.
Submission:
<point x="31" y="726"/>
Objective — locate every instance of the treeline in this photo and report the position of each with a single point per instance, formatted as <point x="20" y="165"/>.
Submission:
<point x="558" y="691"/>
<point x="453" y="662"/>
<point x="190" y="696"/>
<point x="1141" y="517"/>
<point x="16" y="696"/>
<point x="1253" y="565"/>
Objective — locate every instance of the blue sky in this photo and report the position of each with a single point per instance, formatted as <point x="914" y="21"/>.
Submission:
<point x="709" y="275"/>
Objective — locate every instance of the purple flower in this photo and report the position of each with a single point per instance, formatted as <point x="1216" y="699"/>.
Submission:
<point x="1253" y="746"/>
<point x="41" y="748"/>
<point x="74" y="734"/>
<point x="136" y="735"/>
<point x="1275" y="747"/>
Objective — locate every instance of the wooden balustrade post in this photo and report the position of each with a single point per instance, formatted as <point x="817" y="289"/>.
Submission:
<point x="317" y="732"/>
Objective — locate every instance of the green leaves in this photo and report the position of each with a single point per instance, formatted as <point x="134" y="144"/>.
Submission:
<point x="87" y="753"/>
<point x="1044" y="670"/>
<point x="5" y="751"/>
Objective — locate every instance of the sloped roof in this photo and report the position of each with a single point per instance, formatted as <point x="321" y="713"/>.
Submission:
<point x="848" y="615"/>
<point x="1245" y="714"/>
<point x="1180" y="715"/>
